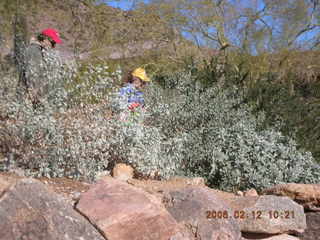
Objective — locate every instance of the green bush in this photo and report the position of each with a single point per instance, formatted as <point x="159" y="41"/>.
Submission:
<point x="92" y="82"/>
<point x="188" y="128"/>
<point x="57" y="139"/>
<point x="299" y="111"/>
<point x="224" y="142"/>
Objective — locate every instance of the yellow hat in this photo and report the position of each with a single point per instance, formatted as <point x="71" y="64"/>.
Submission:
<point x="141" y="73"/>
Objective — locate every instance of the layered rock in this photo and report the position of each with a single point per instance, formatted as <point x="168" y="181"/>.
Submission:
<point x="29" y="210"/>
<point x="269" y="214"/>
<point x="193" y="207"/>
<point x="268" y="237"/>
<point x="177" y="209"/>
<point x="307" y="195"/>
<point x="313" y="227"/>
<point x="122" y="212"/>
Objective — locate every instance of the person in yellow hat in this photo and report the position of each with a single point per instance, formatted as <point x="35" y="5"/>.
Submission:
<point x="134" y="83"/>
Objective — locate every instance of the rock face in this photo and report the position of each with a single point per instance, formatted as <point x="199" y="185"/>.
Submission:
<point x="123" y="212"/>
<point x="193" y="207"/>
<point x="3" y="185"/>
<point x="313" y="227"/>
<point x="269" y="214"/>
<point x="173" y="184"/>
<point x="307" y="195"/>
<point x="6" y="181"/>
<point x="122" y="172"/>
<point x="265" y="237"/>
<point x="251" y="193"/>
<point x="196" y="181"/>
<point x="177" y="209"/>
<point x="28" y="210"/>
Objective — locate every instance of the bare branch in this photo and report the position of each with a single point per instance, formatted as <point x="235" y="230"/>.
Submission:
<point x="302" y="31"/>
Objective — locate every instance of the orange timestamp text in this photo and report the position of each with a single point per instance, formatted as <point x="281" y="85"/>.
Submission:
<point x="257" y="214"/>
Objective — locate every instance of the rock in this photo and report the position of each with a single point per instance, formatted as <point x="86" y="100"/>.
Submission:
<point x="76" y="196"/>
<point x="195" y="181"/>
<point x="121" y="211"/>
<point x="4" y="185"/>
<point x="251" y="193"/>
<point x="307" y="195"/>
<point x="268" y="214"/>
<point x="29" y="210"/>
<point x="313" y="227"/>
<point x="122" y="172"/>
<point x="5" y="182"/>
<point x="175" y="183"/>
<point x="194" y="208"/>
<point x="17" y="171"/>
<point x="240" y="193"/>
<point x="269" y="237"/>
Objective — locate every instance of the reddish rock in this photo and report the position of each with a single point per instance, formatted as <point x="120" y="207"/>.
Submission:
<point x="121" y="211"/>
<point x="6" y="181"/>
<point x="194" y="208"/>
<point x="269" y="237"/>
<point x="30" y="211"/>
<point x="3" y="185"/>
<point x="251" y="193"/>
<point x="313" y="227"/>
<point x="240" y="193"/>
<point x="173" y="184"/>
<point x="122" y="172"/>
<point x="194" y="181"/>
<point x="268" y="214"/>
<point x="307" y="195"/>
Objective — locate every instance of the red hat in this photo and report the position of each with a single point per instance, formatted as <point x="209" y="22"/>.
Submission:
<point x="53" y="34"/>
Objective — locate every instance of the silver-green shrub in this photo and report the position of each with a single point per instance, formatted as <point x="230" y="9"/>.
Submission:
<point x="60" y="138"/>
<point x="186" y="129"/>
<point x="223" y="142"/>
<point x="91" y="83"/>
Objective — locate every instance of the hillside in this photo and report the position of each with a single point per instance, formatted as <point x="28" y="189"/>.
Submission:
<point x="85" y="28"/>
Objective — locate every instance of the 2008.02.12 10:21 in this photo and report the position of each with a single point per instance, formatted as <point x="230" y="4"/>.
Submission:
<point x="241" y="214"/>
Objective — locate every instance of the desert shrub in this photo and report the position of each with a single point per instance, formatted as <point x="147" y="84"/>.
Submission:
<point x="224" y="142"/>
<point x="57" y="139"/>
<point x="286" y="86"/>
<point x="299" y="111"/>
<point x="188" y="128"/>
<point x="92" y="82"/>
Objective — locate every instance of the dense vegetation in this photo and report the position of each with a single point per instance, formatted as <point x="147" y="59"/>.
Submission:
<point x="190" y="127"/>
<point x="244" y="115"/>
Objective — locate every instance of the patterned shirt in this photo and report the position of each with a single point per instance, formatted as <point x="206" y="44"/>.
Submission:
<point x="132" y="94"/>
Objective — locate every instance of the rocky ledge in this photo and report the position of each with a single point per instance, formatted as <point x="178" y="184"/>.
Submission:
<point x="123" y="208"/>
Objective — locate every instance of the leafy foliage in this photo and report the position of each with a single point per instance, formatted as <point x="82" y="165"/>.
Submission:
<point x="223" y="141"/>
<point x="189" y="127"/>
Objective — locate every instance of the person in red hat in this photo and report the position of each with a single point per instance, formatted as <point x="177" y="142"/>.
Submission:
<point x="33" y="74"/>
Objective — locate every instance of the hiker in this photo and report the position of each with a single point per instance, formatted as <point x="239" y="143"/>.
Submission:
<point x="38" y="61"/>
<point x="135" y="81"/>
<point x="130" y="97"/>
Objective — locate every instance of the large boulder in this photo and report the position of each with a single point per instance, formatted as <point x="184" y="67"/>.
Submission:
<point x="194" y="207"/>
<point x="307" y="195"/>
<point x="269" y="214"/>
<point x="122" y="212"/>
<point x="313" y="227"/>
<point x="28" y="210"/>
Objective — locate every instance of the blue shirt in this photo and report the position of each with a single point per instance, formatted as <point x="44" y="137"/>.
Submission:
<point x="132" y="94"/>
